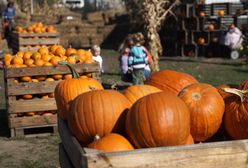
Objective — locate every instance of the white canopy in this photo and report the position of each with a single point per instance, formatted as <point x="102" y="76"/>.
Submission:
<point x="222" y="1"/>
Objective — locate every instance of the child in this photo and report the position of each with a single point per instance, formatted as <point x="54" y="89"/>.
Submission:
<point x="96" y="51"/>
<point x="126" y="75"/>
<point x="137" y="61"/>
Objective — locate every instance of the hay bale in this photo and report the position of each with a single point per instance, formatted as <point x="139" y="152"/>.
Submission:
<point x="95" y="16"/>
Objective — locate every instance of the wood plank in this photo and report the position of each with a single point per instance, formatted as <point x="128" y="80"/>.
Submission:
<point x="50" y="70"/>
<point x="32" y="105"/>
<point x="63" y="158"/>
<point x="220" y="154"/>
<point x="31" y="88"/>
<point x="71" y="145"/>
<point x="39" y="41"/>
<point x="18" y="35"/>
<point x="32" y="122"/>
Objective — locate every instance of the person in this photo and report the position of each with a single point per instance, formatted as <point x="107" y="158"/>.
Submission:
<point x="233" y="38"/>
<point x="137" y="61"/>
<point x="126" y="74"/>
<point x="150" y="61"/>
<point x="96" y="52"/>
<point x="9" y="15"/>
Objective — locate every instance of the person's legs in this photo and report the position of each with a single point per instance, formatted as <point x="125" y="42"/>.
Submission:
<point x="138" y="76"/>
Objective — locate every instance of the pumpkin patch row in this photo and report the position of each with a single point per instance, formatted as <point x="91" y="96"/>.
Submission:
<point x="37" y="113"/>
<point x="36" y="28"/>
<point x="173" y="108"/>
<point x="45" y="56"/>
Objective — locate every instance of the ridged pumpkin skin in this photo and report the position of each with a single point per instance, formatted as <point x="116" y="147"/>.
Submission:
<point x="135" y="92"/>
<point x="158" y="119"/>
<point x="236" y="115"/>
<point x="97" y="112"/>
<point x="111" y="142"/>
<point x="190" y="140"/>
<point x="169" y="80"/>
<point x="69" y="89"/>
<point x="206" y="109"/>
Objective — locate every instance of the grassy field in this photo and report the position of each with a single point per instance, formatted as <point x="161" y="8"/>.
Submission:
<point x="43" y="152"/>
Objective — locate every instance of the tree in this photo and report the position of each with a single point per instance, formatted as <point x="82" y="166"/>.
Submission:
<point x="153" y="14"/>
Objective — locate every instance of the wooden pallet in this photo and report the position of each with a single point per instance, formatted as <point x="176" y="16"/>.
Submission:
<point x="228" y="154"/>
<point x="15" y="107"/>
<point x="32" y="41"/>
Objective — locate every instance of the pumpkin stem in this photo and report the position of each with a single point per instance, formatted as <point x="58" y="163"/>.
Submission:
<point x="97" y="137"/>
<point x="73" y="71"/>
<point x="243" y="94"/>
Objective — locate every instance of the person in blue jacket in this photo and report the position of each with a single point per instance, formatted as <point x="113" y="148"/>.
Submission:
<point x="9" y="15"/>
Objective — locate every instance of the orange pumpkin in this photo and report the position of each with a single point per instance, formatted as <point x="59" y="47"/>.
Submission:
<point x="43" y="50"/>
<point x="60" y="51"/>
<point x="27" y="55"/>
<point x="236" y="114"/>
<point x="27" y="96"/>
<point x="190" y="140"/>
<point x="221" y="13"/>
<point x="211" y="27"/>
<point x="169" y="80"/>
<point x="54" y="60"/>
<point x="111" y="106"/>
<point x="39" y="62"/>
<point x="69" y="89"/>
<point x="57" y="76"/>
<point x="70" y="51"/>
<point x="36" y="55"/>
<point x="158" y="119"/>
<point x="206" y="109"/>
<point x="7" y="59"/>
<point x="26" y="79"/>
<point x="17" y="60"/>
<point x="202" y="14"/>
<point x="110" y="143"/>
<point x="201" y="41"/>
<point x="135" y="92"/>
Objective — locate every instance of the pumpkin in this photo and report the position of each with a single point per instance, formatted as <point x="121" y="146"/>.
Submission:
<point x="190" y="140"/>
<point x="69" y="89"/>
<point x="221" y="13"/>
<point x="26" y="79"/>
<point x="206" y="109"/>
<point x="17" y="60"/>
<point x="158" y="119"/>
<point x="36" y="55"/>
<point x="211" y="27"/>
<point x="244" y="85"/>
<point x="54" y="60"/>
<point x="27" y="55"/>
<point x="7" y="59"/>
<point x="222" y="92"/>
<point x="201" y="41"/>
<point x="70" y="51"/>
<point x="202" y="14"/>
<point x="60" y="51"/>
<point x="27" y="96"/>
<point x="236" y="113"/>
<point x="38" y="62"/>
<point x="110" y="143"/>
<point x="97" y="112"/>
<point x="169" y="80"/>
<point x="133" y="93"/>
<point x="43" y="50"/>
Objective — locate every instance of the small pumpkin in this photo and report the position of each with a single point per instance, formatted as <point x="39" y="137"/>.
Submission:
<point x="202" y="14"/>
<point x="221" y="13"/>
<point x="206" y="109"/>
<point x="135" y="92"/>
<point x="201" y="41"/>
<point x="110" y="143"/>
<point x="211" y="27"/>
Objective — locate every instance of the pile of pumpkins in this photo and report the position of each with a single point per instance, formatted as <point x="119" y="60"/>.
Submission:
<point x="172" y="108"/>
<point x="47" y="56"/>
<point x="36" y="28"/>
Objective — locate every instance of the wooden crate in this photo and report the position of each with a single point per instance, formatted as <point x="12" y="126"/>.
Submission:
<point x="32" y="41"/>
<point x="19" y="125"/>
<point x="228" y="154"/>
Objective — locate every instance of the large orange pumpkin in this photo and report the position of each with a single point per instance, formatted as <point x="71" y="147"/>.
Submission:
<point x="236" y="112"/>
<point x="98" y="112"/>
<point x="206" y="109"/>
<point x="69" y="89"/>
<point x="190" y="140"/>
<point x="133" y="93"/>
<point x="169" y="80"/>
<point x="158" y="119"/>
<point x="111" y="142"/>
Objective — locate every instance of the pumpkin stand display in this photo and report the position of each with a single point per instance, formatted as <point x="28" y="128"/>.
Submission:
<point x="157" y="127"/>
<point x="33" y="37"/>
<point x="30" y="83"/>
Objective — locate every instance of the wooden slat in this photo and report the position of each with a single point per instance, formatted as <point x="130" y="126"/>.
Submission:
<point x="71" y="145"/>
<point x="63" y="158"/>
<point x="227" y="154"/>
<point x="40" y="41"/>
<point x="211" y="155"/>
<point x="32" y="105"/>
<point x="18" y="35"/>
<point x="31" y="88"/>
<point x="50" y="70"/>
<point x="34" y="121"/>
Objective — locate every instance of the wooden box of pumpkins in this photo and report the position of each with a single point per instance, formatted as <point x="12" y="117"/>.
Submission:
<point x="33" y="37"/>
<point x="31" y="78"/>
<point x="173" y="121"/>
